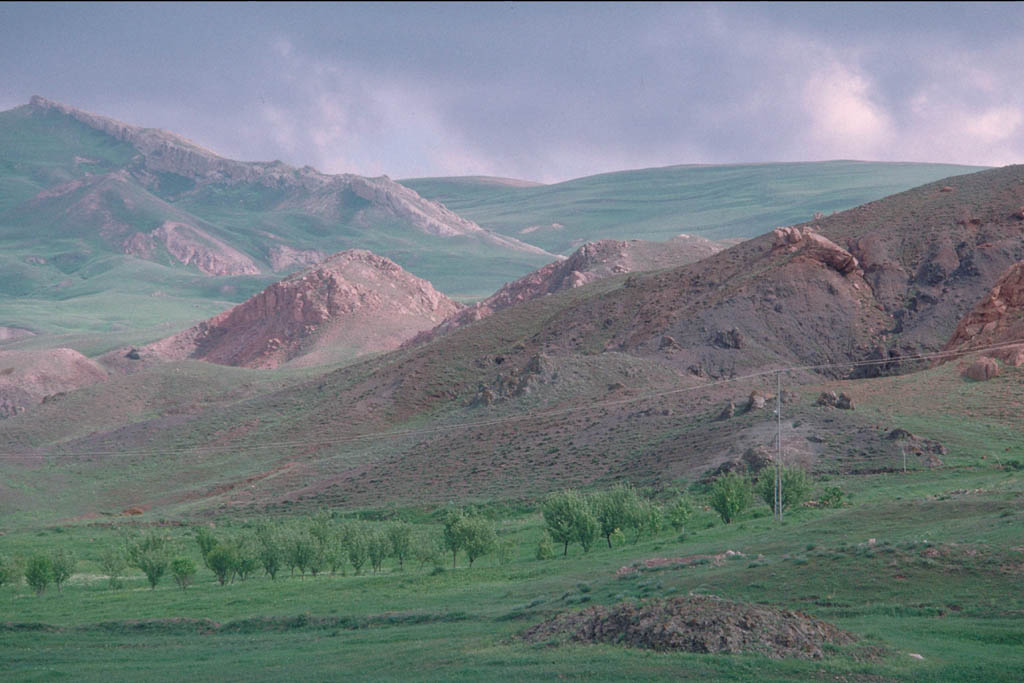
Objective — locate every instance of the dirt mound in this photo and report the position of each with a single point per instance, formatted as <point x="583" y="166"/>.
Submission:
<point x="352" y="303"/>
<point x="697" y="623"/>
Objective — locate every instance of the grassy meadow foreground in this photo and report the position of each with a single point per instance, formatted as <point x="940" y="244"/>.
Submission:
<point x="923" y="566"/>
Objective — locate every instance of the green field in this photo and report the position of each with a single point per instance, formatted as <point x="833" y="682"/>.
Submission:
<point x="717" y="202"/>
<point x="941" y="579"/>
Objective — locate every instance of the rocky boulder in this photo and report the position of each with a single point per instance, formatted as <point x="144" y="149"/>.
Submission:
<point x="982" y="369"/>
<point x="998" y="320"/>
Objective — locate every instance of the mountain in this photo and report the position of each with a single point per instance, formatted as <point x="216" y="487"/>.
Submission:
<point x="716" y="202"/>
<point x="104" y="219"/>
<point x="350" y="304"/>
<point x="651" y="377"/>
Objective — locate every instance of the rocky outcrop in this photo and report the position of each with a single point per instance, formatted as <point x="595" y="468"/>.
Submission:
<point x="814" y="247"/>
<point x="192" y="246"/>
<point x="282" y="256"/>
<point x="998" y="320"/>
<point x="982" y="369"/>
<point x="353" y="303"/>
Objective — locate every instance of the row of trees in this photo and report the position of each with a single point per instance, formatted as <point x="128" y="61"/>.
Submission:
<point x="574" y="517"/>
<point x="325" y="543"/>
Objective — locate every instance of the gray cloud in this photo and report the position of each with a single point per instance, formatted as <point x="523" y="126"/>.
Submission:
<point x="541" y="91"/>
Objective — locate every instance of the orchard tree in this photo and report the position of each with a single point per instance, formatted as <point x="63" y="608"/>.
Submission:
<point x="568" y="519"/>
<point x="478" y="537"/>
<point x="184" y="570"/>
<point x="113" y="563"/>
<point x="616" y="508"/>
<point x="222" y="560"/>
<point x="400" y="538"/>
<point x="152" y="555"/>
<point x="39" y="573"/>
<point x="730" y="495"/>
<point x="795" y="486"/>
<point x="63" y="564"/>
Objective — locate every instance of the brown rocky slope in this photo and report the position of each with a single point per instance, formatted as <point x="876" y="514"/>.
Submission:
<point x="997" y="320"/>
<point x="350" y="304"/>
<point x="593" y="261"/>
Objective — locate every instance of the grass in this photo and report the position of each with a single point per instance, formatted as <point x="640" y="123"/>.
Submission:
<point x="940" y="579"/>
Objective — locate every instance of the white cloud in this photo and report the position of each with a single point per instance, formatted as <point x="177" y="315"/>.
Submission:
<point x="845" y="120"/>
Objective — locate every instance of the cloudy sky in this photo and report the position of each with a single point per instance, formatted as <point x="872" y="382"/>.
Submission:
<point x="541" y="91"/>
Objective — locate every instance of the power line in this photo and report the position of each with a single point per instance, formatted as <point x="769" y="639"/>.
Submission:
<point x="427" y="431"/>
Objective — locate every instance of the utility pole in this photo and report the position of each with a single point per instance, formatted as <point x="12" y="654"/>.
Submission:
<point x="778" y="458"/>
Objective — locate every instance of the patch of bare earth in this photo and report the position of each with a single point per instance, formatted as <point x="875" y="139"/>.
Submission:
<point x="695" y="623"/>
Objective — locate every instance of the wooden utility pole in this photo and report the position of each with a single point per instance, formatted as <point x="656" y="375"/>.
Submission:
<point x="778" y="457"/>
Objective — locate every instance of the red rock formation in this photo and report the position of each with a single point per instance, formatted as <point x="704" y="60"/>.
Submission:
<point x="997" y="320"/>
<point x="352" y="303"/>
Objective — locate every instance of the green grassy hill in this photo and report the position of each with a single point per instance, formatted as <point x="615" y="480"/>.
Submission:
<point x="716" y="202"/>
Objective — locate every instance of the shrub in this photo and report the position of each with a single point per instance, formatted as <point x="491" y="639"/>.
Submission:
<point x="833" y="497"/>
<point x="545" y="551"/>
<point x="730" y="495"/>
<point x="678" y="512"/>
<point x="8" y="570"/>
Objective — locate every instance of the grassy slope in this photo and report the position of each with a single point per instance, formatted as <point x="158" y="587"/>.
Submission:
<point x="716" y="202"/>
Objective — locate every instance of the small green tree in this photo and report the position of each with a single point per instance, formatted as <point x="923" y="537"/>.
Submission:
<point x="247" y="556"/>
<point x="453" y="535"/>
<point x="400" y="537"/>
<point x="649" y="520"/>
<point x="615" y="508"/>
<point x="428" y="548"/>
<point x="184" y="570"/>
<point x="39" y="573"/>
<point x="478" y="537"/>
<point x="507" y="551"/>
<point x="9" y="570"/>
<point x="269" y="549"/>
<point x="378" y="547"/>
<point x="568" y="519"/>
<point x="545" y="551"/>
<point x="113" y="563"/>
<point x="301" y="551"/>
<point x="206" y="541"/>
<point x="357" y="542"/>
<point x="678" y="512"/>
<point x="152" y="555"/>
<point x="730" y="495"/>
<point x="63" y="564"/>
<point x="795" y="486"/>
<point x="222" y="560"/>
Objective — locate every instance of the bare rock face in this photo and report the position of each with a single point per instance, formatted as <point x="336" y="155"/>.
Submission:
<point x="982" y="369"/>
<point x="353" y="303"/>
<point x="192" y="246"/>
<point x="28" y="378"/>
<point x="997" y="320"/>
<point x="815" y="247"/>
<point x="283" y="256"/>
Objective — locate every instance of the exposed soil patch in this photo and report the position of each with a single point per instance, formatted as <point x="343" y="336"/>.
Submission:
<point x="696" y="623"/>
